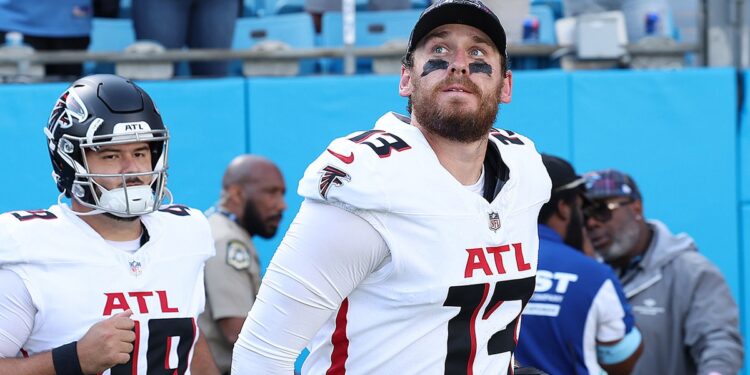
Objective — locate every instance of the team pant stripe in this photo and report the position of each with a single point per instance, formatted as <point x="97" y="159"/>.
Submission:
<point x="340" y="342"/>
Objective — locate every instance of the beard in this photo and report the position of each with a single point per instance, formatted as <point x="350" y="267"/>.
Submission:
<point x="622" y="242"/>
<point x="574" y="231"/>
<point x="254" y="223"/>
<point x="453" y="123"/>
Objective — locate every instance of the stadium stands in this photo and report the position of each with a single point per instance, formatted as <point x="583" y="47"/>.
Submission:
<point x="373" y="29"/>
<point x="296" y="30"/>
<point x="546" y="35"/>
<point x="554" y="5"/>
<point x="125" y="8"/>
<point x="109" y="35"/>
<point x="546" y="17"/>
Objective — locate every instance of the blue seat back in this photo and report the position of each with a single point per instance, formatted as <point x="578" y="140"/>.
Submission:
<point x="555" y="5"/>
<point x="546" y="23"/>
<point x="109" y="35"/>
<point x="296" y="30"/>
<point x="373" y="29"/>
<point x="126" y="9"/>
<point x="283" y="6"/>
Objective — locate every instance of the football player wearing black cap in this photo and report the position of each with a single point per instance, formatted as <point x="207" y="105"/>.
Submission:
<point x="415" y="249"/>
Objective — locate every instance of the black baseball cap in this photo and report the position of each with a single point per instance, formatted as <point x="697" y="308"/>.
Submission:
<point x="563" y="175"/>
<point x="465" y="12"/>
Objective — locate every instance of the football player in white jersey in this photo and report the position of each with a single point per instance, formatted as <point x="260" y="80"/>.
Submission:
<point x="415" y="249"/>
<point x="113" y="283"/>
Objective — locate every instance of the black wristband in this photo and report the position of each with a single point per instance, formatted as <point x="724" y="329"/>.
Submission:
<point x="65" y="360"/>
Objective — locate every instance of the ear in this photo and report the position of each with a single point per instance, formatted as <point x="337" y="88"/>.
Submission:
<point x="234" y="196"/>
<point x="637" y="208"/>
<point x="563" y="211"/>
<point x="507" y="90"/>
<point x="405" y="87"/>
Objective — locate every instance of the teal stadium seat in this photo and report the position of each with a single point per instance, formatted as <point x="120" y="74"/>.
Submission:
<point x="283" y="6"/>
<point x="109" y="35"/>
<point x="296" y="30"/>
<point x="250" y="8"/>
<point x="373" y="29"/>
<point x="546" y="18"/>
<point x="125" y="9"/>
<point x="545" y="15"/>
<point x="555" y="5"/>
<point x="271" y="7"/>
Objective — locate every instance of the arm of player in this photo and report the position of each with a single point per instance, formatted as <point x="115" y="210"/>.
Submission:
<point x="40" y="364"/>
<point x="325" y="254"/>
<point x="16" y="320"/>
<point x="107" y="343"/>
<point x="712" y="323"/>
<point x="619" y="343"/>
<point x="203" y="363"/>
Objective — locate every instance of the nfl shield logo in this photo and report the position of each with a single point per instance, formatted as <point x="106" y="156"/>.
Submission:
<point x="494" y="221"/>
<point x="135" y="267"/>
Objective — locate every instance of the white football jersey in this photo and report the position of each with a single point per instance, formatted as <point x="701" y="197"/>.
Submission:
<point x="461" y="268"/>
<point x="76" y="279"/>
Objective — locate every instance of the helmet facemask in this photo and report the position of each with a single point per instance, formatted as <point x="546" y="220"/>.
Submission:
<point x="123" y="200"/>
<point x="107" y="113"/>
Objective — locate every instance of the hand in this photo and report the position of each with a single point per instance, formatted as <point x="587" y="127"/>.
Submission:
<point x="107" y="343"/>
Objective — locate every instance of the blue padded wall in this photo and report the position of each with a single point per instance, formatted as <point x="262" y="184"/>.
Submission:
<point x="206" y="121"/>
<point x="27" y="172"/>
<point x="675" y="133"/>
<point x="745" y="263"/>
<point x="744" y="144"/>
<point x="540" y="110"/>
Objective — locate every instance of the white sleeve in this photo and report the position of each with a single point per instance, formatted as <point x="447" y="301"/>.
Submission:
<point x="16" y="314"/>
<point x="325" y="254"/>
<point x="611" y="326"/>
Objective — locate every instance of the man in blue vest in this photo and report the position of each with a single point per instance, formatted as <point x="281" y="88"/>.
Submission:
<point x="578" y="320"/>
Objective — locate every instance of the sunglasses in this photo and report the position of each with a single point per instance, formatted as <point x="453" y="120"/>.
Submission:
<point x="602" y="212"/>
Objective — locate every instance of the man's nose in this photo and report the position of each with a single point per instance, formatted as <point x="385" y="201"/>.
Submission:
<point x="129" y="164"/>
<point x="460" y="64"/>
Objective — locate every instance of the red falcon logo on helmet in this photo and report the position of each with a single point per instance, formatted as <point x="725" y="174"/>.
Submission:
<point x="67" y="107"/>
<point x="331" y="175"/>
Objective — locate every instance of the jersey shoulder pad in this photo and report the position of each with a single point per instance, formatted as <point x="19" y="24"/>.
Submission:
<point x="520" y="155"/>
<point x="342" y="174"/>
<point x="350" y="170"/>
<point x="187" y="225"/>
<point x="179" y="210"/>
<point x="21" y="226"/>
<point x="508" y="137"/>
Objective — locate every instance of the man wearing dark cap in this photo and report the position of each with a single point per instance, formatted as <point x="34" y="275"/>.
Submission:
<point x="415" y="249"/>
<point x="680" y="300"/>
<point x="578" y="321"/>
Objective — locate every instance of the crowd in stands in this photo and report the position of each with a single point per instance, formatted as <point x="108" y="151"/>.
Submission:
<point x="239" y="24"/>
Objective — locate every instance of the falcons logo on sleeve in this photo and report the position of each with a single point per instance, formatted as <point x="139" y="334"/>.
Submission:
<point x="331" y="175"/>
